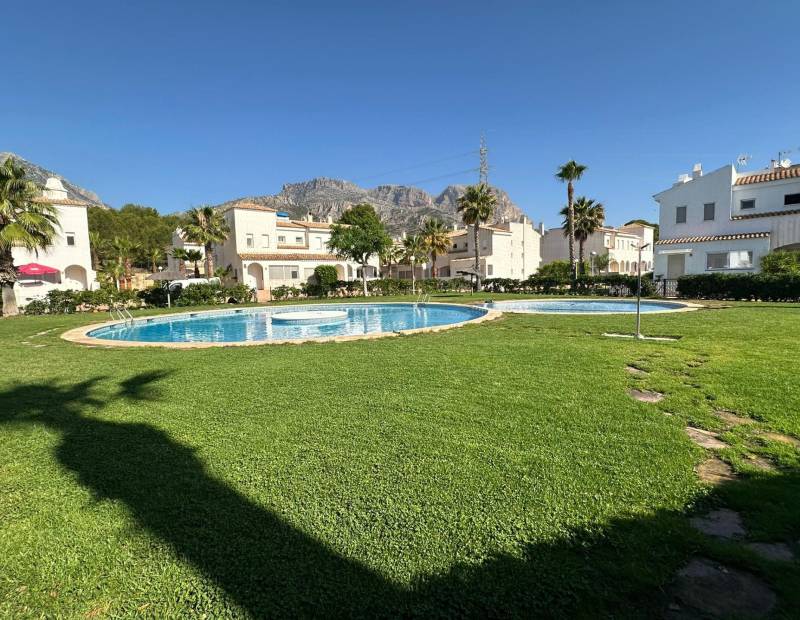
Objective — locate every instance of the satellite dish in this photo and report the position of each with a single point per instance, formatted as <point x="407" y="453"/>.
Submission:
<point x="785" y="163"/>
<point x="742" y="160"/>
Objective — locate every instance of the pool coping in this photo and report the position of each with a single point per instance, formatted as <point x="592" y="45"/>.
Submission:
<point x="80" y="335"/>
<point x="685" y="307"/>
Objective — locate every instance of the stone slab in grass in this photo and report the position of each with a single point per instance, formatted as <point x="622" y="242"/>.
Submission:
<point x="715" y="471"/>
<point x="704" y="589"/>
<point x="760" y="463"/>
<point x="705" y="439"/>
<point x="777" y="552"/>
<point x="731" y="419"/>
<point x="721" y="523"/>
<point x="637" y="372"/>
<point x="781" y="438"/>
<point x="646" y="396"/>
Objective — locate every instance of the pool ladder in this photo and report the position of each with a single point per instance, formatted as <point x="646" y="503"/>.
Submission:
<point x="423" y="297"/>
<point x="121" y="314"/>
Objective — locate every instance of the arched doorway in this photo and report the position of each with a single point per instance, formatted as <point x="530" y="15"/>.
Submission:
<point x="613" y="267"/>
<point x="255" y="276"/>
<point x="340" y="272"/>
<point x="75" y="277"/>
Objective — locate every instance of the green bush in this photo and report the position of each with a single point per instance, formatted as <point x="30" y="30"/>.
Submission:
<point x="748" y="286"/>
<point x="614" y="284"/>
<point x="212" y="294"/>
<point x="36" y="306"/>
<point x="781" y="262"/>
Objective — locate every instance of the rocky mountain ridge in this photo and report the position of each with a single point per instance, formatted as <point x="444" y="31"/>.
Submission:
<point x="40" y="175"/>
<point x="402" y="208"/>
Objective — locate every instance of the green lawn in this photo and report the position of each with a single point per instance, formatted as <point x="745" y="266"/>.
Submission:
<point x="493" y="470"/>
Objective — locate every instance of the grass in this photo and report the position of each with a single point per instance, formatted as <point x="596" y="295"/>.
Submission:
<point x="492" y="470"/>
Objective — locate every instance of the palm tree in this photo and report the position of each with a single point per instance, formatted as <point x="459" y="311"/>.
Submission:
<point x="25" y="222"/>
<point x="194" y="256"/>
<point x="589" y="216"/>
<point x="414" y="251"/>
<point x="569" y="173"/>
<point x="97" y="247"/>
<point x="179" y="254"/>
<point x="155" y="255"/>
<point x="124" y="250"/>
<point x="437" y="241"/>
<point x="223" y="273"/>
<point x="116" y="272"/>
<point x="390" y="255"/>
<point x="206" y="226"/>
<point x="477" y="206"/>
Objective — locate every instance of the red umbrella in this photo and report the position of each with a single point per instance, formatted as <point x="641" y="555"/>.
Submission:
<point x="35" y="269"/>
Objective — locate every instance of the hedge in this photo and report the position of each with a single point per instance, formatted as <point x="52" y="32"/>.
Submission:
<point x="615" y="285"/>
<point x="748" y="286"/>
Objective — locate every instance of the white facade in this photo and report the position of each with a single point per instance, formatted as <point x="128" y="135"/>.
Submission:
<point x="508" y="250"/>
<point x="179" y="242"/>
<point x="621" y="244"/>
<point x="69" y="252"/>
<point x="726" y="221"/>
<point x="266" y="249"/>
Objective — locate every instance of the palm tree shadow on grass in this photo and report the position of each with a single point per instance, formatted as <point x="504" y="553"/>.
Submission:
<point x="270" y="568"/>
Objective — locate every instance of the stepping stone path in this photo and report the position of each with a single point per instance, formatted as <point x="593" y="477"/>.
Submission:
<point x="721" y="523"/>
<point x="761" y="463"/>
<point x="777" y="552"/>
<point x="715" y="471"/>
<point x="705" y="439"/>
<point x="782" y="439"/>
<point x="704" y="588"/>
<point x="638" y="372"/>
<point x="646" y="396"/>
<point x="731" y="419"/>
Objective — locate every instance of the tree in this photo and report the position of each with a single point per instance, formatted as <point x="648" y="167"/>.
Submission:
<point x="436" y="239"/>
<point x="195" y="256"/>
<point x="557" y="269"/>
<point x="477" y="206"/>
<point x="781" y="262"/>
<point x="601" y="262"/>
<point x="155" y="255"/>
<point x="97" y="247"/>
<point x="124" y="250"/>
<point x="391" y="255"/>
<point x="358" y="236"/>
<point x="569" y="173"/>
<point x="179" y="254"/>
<point x="25" y="222"/>
<point x="589" y="216"/>
<point x="206" y="226"/>
<point x="142" y="225"/>
<point x="414" y="251"/>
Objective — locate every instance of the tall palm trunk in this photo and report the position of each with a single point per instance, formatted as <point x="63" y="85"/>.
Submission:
<point x="580" y="257"/>
<point x="571" y="229"/>
<point x="413" y="279"/>
<point x="209" y="261"/>
<point x="8" y="277"/>
<point x="433" y="264"/>
<point x="364" y="279"/>
<point x="477" y="257"/>
<point x="196" y="270"/>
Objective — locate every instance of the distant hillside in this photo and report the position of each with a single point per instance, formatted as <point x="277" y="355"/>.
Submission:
<point x="39" y="175"/>
<point x="402" y="208"/>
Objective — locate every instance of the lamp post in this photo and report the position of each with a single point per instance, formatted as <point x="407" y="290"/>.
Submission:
<point x="639" y="294"/>
<point x="592" y="256"/>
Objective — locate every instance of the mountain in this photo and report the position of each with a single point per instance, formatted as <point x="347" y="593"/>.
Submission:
<point x="402" y="208"/>
<point x="40" y="175"/>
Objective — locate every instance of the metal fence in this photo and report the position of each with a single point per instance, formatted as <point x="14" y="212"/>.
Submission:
<point x="666" y="288"/>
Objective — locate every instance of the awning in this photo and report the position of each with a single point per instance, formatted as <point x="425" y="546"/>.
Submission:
<point x="680" y="251"/>
<point x="35" y="269"/>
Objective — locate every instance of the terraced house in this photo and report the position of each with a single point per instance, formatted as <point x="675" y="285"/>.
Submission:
<point x="726" y="221"/>
<point x="267" y="249"/>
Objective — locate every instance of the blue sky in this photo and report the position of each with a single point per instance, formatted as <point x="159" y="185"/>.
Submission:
<point x="174" y="104"/>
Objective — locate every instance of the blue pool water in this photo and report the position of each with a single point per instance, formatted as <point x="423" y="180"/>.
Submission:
<point x="255" y="324"/>
<point x="587" y="306"/>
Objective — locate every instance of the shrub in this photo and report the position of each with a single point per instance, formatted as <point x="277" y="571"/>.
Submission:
<point x="763" y="286"/>
<point x="212" y="294"/>
<point x="281" y="293"/>
<point x="781" y="262"/>
<point x="36" y="306"/>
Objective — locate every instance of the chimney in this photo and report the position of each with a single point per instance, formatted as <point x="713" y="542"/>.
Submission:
<point x="309" y="217"/>
<point x="455" y="225"/>
<point x="697" y="171"/>
<point x="329" y="219"/>
<point x="774" y="164"/>
<point x="541" y="228"/>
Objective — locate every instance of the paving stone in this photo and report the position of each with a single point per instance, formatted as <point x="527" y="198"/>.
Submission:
<point x="705" y="439"/>
<point x="715" y="471"/>
<point x="730" y="418"/>
<point x="779" y="437"/>
<point x="760" y="462"/>
<point x="721" y="523"/>
<point x="704" y="589"/>
<point x="777" y="552"/>
<point x="636" y="371"/>
<point x="646" y="396"/>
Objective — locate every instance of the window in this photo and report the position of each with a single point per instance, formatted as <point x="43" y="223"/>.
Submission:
<point x="443" y="272"/>
<point x="70" y="238"/>
<point x="318" y="243"/>
<point x="680" y="215"/>
<point x="489" y="269"/>
<point x="708" y="211"/>
<point x="284" y="272"/>
<point x="264" y="241"/>
<point x="298" y="240"/>
<point x="750" y="203"/>
<point x="737" y="259"/>
<point x="250" y="241"/>
<point x="791" y="199"/>
<point x="281" y="239"/>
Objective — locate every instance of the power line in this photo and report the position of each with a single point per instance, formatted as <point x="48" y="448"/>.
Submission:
<point x="415" y="166"/>
<point x="441" y="176"/>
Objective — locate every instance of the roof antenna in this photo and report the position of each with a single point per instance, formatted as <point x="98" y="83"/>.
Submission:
<point x="742" y="160"/>
<point x="783" y="161"/>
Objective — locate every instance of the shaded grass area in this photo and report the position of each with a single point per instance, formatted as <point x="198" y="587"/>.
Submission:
<point x="497" y="469"/>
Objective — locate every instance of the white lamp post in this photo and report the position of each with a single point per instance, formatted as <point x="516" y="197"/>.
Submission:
<point x="592" y="256"/>
<point x="639" y="294"/>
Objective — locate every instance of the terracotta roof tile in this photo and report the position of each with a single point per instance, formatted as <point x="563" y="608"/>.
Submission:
<point x="295" y="256"/>
<point x="751" y="216"/>
<point x="288" y="224"/>
<point x="792" y="172"/>
<point x="707" y="238"/>
<point x="312" y="224"/>
<point x="249" y="206"/>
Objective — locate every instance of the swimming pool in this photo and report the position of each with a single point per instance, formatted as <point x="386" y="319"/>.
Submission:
<point x="587" y="306"/>
<point x="256" y="325"/>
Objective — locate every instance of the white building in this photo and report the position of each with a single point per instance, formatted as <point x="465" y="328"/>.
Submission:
<point x="508" y="250"/>
<point x="621" y="244"/>
<point x="69" y="253"/>
<point x="266" y="249"/>
<point x="726" y="221"/>
<point x="179" y="243"/>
